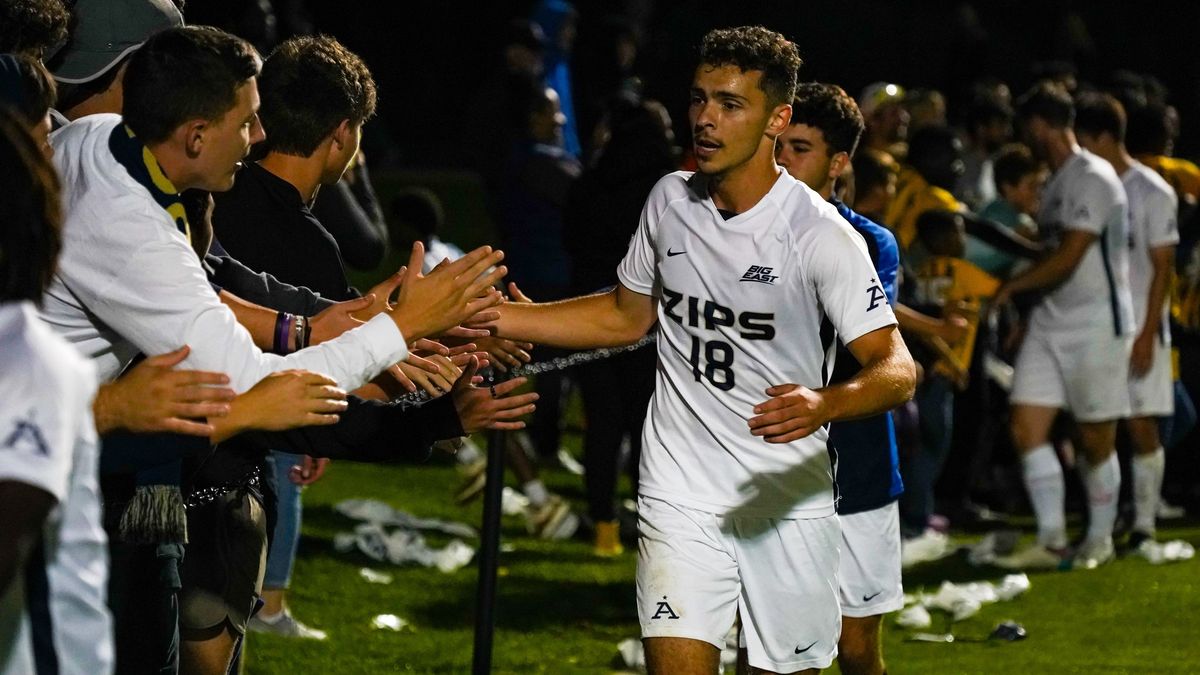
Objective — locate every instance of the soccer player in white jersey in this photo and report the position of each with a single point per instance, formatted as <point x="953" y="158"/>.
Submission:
<point x="1078" y="332"/>
<point x="1153" y="233"/>
<point x="751" y="277"/>
<point x="53" y="562"/>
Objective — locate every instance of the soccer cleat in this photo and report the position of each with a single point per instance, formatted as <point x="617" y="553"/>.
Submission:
<point x="1093" y="553"/>
<point x="1036" y="557"/>
<point x="608" y="539"/>
<point x="552" y="520"/>
<point x="284" y="625"/>
<point x="928" y="546"/>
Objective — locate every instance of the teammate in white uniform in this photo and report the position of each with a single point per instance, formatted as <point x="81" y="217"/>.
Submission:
<point x="751" y="277"/>
<point x="1153" y="233"/>
<point x="1080" y="327"/>
<point x="53" y="563"/>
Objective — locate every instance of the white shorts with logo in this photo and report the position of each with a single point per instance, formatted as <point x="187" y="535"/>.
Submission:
<point x="699" y="571"/>
<point x="869" y="573"/>
<point x="1084" y="371"/>
<point x="1153" y="394"/>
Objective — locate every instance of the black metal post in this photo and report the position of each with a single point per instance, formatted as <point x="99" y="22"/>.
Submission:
<point x="489" y="553"/>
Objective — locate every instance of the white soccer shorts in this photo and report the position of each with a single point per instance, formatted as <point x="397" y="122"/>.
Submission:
<point x="869" y="574"/>
<point x="698" y="571"/>
<point x="1153" y="394"/>
<point x="1084" y="371"/>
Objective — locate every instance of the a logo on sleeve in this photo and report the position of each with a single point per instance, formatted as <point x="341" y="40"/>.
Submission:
<point x="760" y="274"/>
<point x="26" y="436"/>
<point x="664" y="611"/>
<point x="875" y="295"/>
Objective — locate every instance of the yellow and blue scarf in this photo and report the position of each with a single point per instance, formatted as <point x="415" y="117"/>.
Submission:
<point x="142" y="166"/>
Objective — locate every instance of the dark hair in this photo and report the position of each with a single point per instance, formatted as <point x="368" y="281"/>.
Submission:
<point x="34" y="89"/>
<point x="1148" y="132"/>
<point x="308" y="86"/>
<point x="828" y="108"/>
<point x="30" y="214"/>
<point x="986" y="109"/>
<point x="872" y="168"/>
<point x="1097" y="113"/>
<point x="933" y="151"/>
<point x="419" y="209"/>
<point x="32" y="27"/>
<point x="1012" y="163"/>
<point x="180" y="74"/>
<point x="1048" y="101"/>
<point x="938" y="230"/>
<point x="756" y="48"/>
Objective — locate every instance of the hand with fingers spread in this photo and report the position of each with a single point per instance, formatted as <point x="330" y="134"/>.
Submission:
<point x="337" y="319"/>
<point x="494" y="407"/>
<point x="283" y="400"/>
<point x="309" y="470"/>
<point x="432" y="383"/>
<point x="152" y="397"/>
<point x="381" y="295"/>
<point x="792" y="412"/>
<point x="453" y="294"/>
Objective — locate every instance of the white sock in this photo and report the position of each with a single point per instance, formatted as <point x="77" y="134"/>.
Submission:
<point x="1103" y="484"/>
<point x="535" y="491"/>
<point x="1147" y="483"/>
<point x="469" y="453"/>
<point x="1044" y="482"/>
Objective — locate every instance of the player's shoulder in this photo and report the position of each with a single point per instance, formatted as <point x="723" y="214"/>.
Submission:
<point x="1148" y="181"/>
<point x="675" y="186"/>
<point x="37" y="364"/>
<point x="1094" y="171"/>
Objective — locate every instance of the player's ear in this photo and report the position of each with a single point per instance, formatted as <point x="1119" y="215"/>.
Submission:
<point x="838" y="164"/>
<point x="781" y="117"/>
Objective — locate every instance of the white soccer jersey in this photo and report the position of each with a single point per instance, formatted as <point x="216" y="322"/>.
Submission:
<point x="1153" y="209"/>
<point x="1086" y="194"/>
<point x="53" y="617"/>
<point x="744" y="304"/>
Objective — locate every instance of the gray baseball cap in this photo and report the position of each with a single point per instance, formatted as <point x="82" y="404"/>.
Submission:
<point x="105" y="31"/>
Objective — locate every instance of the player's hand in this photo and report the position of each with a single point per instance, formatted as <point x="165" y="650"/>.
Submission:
<point x="454" y="294"/>
<point x="1142" y="356"/>
<point x="337" y="319"/>
<point x="493" y="407"/>
<point x="516" y="294"/>
<point x="309" y="470"/>
<point x="792" y="412"/>
<point x="504" y="354"/>
<point x="152" y="397"/>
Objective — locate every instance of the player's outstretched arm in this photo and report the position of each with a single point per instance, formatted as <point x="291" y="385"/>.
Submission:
<point x="610" y="319"/>
<point x="1051" y="270"/>
<point x="887" y="379"/>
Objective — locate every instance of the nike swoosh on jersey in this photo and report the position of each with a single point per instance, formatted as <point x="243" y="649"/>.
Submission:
<point x="672" y="254"/>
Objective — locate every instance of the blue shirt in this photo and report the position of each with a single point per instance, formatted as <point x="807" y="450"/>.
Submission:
<point x="868" y="467"/>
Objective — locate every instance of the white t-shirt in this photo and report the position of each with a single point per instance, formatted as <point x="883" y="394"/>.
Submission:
<point x="1153" y="215"/>
<point x="48" y="440"/>
<point x="129" y="282"/>
<point x="744" y="304"/>
<point x="1085" y="194"/>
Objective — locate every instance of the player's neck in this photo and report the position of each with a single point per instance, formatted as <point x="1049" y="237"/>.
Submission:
<point x="1060" y="148"/>
<point x="303" y="173"/>
<point x="1121" y="160"/>
<point x="741" y="187"/>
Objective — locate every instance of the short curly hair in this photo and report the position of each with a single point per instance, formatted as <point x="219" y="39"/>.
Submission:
<point x="756" y="48"/>
<point x="32" y="27"/>
<point x="829" y="108"/>
<point x="308" y="86"/>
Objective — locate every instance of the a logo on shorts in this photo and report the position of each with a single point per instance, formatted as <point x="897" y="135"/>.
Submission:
<point x="868" y="598"/>
<point x="801" y="651"/>
<point x="664" y="611"/>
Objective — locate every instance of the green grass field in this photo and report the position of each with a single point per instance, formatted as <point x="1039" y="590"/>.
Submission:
<point x="561" y="610"/>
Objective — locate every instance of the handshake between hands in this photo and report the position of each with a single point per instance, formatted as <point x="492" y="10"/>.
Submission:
<point x="440" y="314"/>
